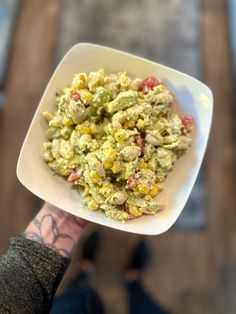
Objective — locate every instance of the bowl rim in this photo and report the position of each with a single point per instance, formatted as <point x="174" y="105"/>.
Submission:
<point x="141" y="59"/>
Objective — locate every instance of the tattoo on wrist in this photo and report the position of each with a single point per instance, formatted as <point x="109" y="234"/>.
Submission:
<point x="46" y="231"/>
<point x="69" y="217"/>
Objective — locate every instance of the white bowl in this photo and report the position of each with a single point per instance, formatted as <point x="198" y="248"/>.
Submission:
<point x="192" y="98"/>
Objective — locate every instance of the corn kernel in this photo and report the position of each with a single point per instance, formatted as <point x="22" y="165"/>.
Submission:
<point x="154" y="191"/>
<point x="107" y="189"/>
<point x="86" y="97"/>
<point x="120" y="137"/>
<point x="130" y="123"/>
<point x="159" y="88"/>
<point x="144" y="166"/>
<point x="94" y="177"/>
<point x="143" y="189"/>
<point x="134" y="211"/>
<point x="152" y="164"/>
<point x="141" y="95"/>
<point x="107" y="164"/>
<point x="79" y="81"/>
<point x="67" y="122"/>
<point x="117" y="166"/>
<point x="84" y="129"/>
<point x="140" y="124"/>
<point x="110" y="154"/>
<point x="93" y="205"/>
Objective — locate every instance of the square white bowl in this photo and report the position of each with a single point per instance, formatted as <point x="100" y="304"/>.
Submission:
<point x="192" y="98"/>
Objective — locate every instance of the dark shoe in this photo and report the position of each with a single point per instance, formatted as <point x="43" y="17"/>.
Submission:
<point x="90" y="247"/>
<point x="140" y="257"/>
<point x="138" y="299"/>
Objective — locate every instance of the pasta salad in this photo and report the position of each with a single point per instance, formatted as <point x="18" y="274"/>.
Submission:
<point x="117" y="138"/>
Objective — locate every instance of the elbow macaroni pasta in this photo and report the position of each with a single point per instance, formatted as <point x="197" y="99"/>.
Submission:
<point x="118" y="139"/>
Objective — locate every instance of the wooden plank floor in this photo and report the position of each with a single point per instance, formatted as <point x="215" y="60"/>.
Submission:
<point x="189" y="272"/>
<point x="29" y="70"/>
<point x="196" y="272"/>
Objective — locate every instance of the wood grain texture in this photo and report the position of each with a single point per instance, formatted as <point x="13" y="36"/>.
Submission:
<point x="189" y="272"/>
<point x="195" y="272"/>
<point x="29" y="70"/>
<point x="221" y="149"/>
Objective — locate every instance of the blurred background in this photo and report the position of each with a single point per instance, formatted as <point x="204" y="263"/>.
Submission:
<point x="192" y="268"/>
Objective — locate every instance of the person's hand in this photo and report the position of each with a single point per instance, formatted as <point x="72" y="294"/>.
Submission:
<point x="82" y="222"/>
<point x="56" y="229"/>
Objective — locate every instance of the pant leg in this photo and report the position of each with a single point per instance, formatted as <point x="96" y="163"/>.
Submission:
<point x="140" y="302"/>
<point x="79" y="298"/>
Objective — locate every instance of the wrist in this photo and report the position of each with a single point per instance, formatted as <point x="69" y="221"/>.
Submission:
<point x="66" y="223"/>
<point x="56" y="229"/>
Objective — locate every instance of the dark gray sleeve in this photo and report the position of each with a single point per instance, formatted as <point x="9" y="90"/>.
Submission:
<point x="29" y="276"/>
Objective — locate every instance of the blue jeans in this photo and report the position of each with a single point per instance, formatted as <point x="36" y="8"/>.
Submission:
<point x="81" y="299"/>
